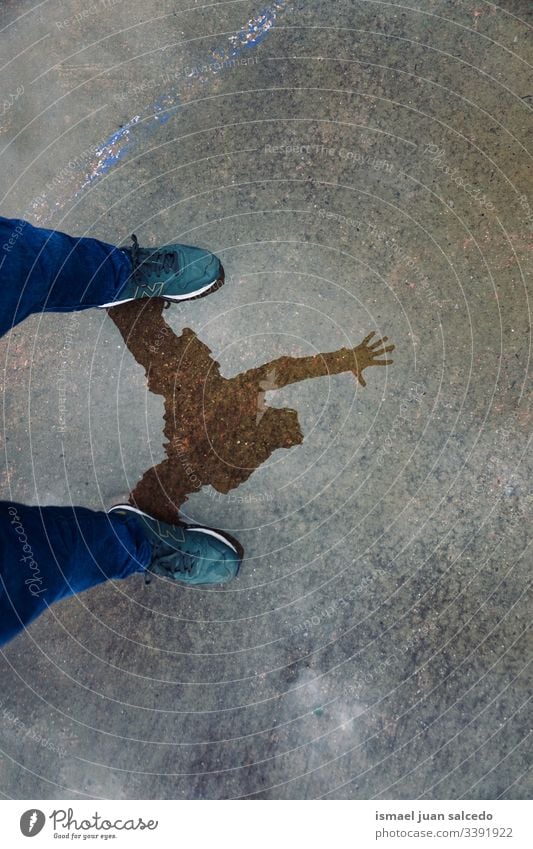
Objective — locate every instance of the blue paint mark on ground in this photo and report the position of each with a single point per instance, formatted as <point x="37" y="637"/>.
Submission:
<point x="139" y="128"/>
<point x="257" y="28"/>
<point x="114" y="148"/>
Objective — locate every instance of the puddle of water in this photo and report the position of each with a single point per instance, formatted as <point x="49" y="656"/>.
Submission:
<point x="219" y="430"/>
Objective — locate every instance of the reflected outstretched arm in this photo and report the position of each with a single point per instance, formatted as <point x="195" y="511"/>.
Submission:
<point x="286" y="370"/>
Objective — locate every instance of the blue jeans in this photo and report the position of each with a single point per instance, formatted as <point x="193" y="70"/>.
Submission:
<point x="45" y="271"/>
<point x="50" y="553"/>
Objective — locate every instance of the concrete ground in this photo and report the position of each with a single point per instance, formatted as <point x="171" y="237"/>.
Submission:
<point x="358" y="166"/>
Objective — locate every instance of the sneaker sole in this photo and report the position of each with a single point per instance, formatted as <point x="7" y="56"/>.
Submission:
<point x="201" y="293"/>
<point x="220" y="535"/>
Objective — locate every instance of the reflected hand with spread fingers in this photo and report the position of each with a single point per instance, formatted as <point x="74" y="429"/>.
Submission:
<point x="365" y="355"/>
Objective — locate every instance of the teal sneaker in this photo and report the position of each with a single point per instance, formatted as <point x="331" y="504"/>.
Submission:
<point x="190" y="554"/>
<point x="173" y="272"/>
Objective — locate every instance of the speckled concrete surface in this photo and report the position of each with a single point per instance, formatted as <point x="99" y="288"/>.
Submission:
<point x="359" y="166"/>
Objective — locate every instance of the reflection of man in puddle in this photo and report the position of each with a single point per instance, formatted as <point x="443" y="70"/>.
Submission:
<point x="218" y="429"/>
<point x="50" y="553"/>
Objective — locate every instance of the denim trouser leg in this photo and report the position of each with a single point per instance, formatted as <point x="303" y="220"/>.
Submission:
<point x="50" y="553"/>
<point x="46" y="271"/>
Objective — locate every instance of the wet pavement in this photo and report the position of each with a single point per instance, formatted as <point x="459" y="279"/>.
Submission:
<point x="360" y="168"/>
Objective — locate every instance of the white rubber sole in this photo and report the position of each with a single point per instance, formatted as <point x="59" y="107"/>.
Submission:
<point x="200" y="529"/>
<point x="173" y="298"/>
<point x="212" y="533"/>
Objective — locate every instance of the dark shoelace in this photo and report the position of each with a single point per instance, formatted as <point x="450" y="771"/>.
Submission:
<point x="171" y="560"/>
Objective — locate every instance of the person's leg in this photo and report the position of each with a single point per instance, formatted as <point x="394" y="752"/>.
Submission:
<point x="50" y="553"/>
<point x="47" y="271"/>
